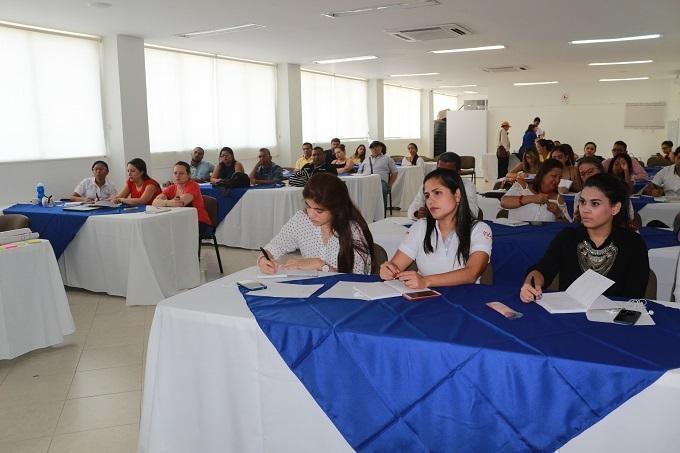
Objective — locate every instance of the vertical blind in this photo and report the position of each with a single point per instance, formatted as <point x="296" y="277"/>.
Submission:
<point x="402" y="112"/>
<point x="207" y="101"/>
<point x="443" y="102"/>
<point x="333" y="106"/>
<point x="50" y="96"/>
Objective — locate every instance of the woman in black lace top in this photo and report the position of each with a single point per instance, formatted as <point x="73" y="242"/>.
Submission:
<point x="603" y="243"/>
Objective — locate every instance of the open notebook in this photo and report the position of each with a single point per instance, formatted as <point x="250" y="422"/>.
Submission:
<point x="579" y="296"/>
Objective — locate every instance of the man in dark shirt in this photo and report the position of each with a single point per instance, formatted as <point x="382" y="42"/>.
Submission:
<point x="318" y="165"/>
<point x="329" y="154"/>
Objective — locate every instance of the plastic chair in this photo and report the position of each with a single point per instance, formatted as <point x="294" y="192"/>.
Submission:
<point x="397" y="159"/>
<point x="380" y="257"/>
<point x="210" y="204"/>
<point x="480" y="214"/>
<point x="467" y="167"/>
<point x="502" y="214"/>
<point x="14" y="222"/>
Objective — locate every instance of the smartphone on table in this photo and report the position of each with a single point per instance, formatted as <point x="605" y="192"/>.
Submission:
<point x="419" y="295"/>
<point x="627" y="317"/>
<point x="251" y="285"/>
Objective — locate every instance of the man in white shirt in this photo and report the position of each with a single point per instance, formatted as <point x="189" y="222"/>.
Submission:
<point x="504" y="141"/>
<point x="667" y="181"/>
<point x="96" y="187"/>
<point x="540" y="133"/>
<point x="447" y="161"/>
<point x="381" y="164"/>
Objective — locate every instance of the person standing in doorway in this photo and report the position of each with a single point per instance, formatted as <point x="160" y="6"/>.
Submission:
<point x="503" y="149"/>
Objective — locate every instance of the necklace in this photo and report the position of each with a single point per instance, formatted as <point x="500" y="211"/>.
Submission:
<point x="601" y="261"/>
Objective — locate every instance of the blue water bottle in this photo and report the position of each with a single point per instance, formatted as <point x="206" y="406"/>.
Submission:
<point x="40" y="192"/>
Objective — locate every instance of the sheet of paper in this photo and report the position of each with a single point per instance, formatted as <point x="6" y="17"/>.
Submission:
<point x="276" y="289"/>
<point x="605" y="310"/>
<point x="342" y="290"/>
<point x="286" y="273"/>
<point x="107" y="204"/>
<point x="376" y="290"/>
<point x="565" y="183"/>
<point x="508" y="222"/>
<point x="579" y="296"/>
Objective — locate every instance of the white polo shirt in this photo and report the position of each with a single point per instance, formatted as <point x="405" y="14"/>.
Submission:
<point x="444" y="257"/>
<point x="88" y="188"/>
<point x="668" y="179"/>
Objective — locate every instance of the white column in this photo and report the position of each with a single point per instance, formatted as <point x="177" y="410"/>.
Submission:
<point x="426" y="123"/>
<point x="376" y="110"/>
<point x="125" y="113"/>
<point x="289" y="113"/>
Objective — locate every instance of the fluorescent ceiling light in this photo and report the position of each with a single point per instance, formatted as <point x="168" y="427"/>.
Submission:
<point x="343" y="60"/>
<point x="100" y="5"/>
<point x="457" y="86"/>
<point x="219" y="31"/>
<point x="526" y="84"/>
<point x="621" y="80"/>
<point x="625" y="38"/>
<point x="621" y="62"/>
<point x="414" y="75"/>
<point x="382" y="7"/>
<point x="471" y="92"/>
<point x="469" y="49"/>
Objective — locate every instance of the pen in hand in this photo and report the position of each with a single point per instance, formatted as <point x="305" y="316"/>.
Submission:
<point x="533" y="285"/>
<point x="266" y="255"/>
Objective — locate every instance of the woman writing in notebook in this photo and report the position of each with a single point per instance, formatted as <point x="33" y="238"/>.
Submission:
<point x="139" y="188"/>
<point x="604" y="243"/>
<point x="330" y="232"/>
<point x="449" y="246"/>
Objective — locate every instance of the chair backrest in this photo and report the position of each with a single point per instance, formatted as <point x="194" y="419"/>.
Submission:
<point x="502" y="214"/>
<point x="676" y="222"/>
<point x="380" y="256"/>
<point x="656" y="161"/>
<point x="397" y="159"/>
<point x="210" y="204"/>
<point x="14" y="222"/>
<point x="480" y="214"/>
<point x="467" y="162"/>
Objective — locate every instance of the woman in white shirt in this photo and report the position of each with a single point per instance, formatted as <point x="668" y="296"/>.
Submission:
<point x="538" y="200"/>
<point x="412" y="159"/>
<point x="330" y="232"/>
<point x="95" y="187"/>
<point x="449" y="246"/>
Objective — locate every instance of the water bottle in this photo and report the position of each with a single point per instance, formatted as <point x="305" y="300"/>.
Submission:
<point x="40" y="192"/>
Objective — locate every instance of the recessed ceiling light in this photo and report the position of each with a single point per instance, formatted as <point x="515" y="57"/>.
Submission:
<point x="621" y="80"/>
<point x="625" y="38"/>
<point x="218" y="31"/>
<point x="414" y="75"/>
<point x="469" y="49"/>
<point x="343" y="60"/>
<point x="471" y="92"/>
<point x="100" y="5"/>
<point x="377" y="8"/>
<point x="457" y="86"/>
<point x="526" y="84"/>
<point x="621" y="62"/>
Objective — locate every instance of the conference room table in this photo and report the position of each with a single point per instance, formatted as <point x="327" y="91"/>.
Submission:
<point x="408" y="183"/>
<point x="34" y="310"/>
<point x="517" y="248"/>
<point x="214" y="381"/>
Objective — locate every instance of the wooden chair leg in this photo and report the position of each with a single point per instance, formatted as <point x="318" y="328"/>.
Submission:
<point x="217" y="252"/>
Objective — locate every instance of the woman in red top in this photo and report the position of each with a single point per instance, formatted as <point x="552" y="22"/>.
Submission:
<point x="139" y="188"/>
<point x="184" y="192"/>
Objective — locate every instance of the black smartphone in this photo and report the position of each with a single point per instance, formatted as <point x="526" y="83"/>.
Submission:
<point x="418" y="295"/>
<point x="252" y="285"/>
<point x="627" y="317"/>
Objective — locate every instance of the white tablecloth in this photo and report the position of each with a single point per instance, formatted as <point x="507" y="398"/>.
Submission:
<point x="388" y="233"/>
<point x="405" y="188"/>
<point x="143" y="257"/>
<point x="489" y="206"/>
<point x="664" y="212"/>
<point x="366" y="192"/>
<point x="429" y="166"/>
<point x="34" y="310"/>
<point x="214" y="383"/>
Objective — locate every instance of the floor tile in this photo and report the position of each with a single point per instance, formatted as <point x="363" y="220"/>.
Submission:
<point x="104" y="411"/>
<point x="111" y="356"/>
<point x="110" y="305"/>
<point x="118" y="439"/>
<point x="115" y="335"/>
<point x="28" y="421"/>
<point x="105" y="381"/>
<point x="34" y="389"/>
<point x="48" y="361"/>
<point x="39" y="445"/>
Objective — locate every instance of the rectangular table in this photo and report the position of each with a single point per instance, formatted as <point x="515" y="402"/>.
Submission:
<point x="34" y="310"/>
<point x="215" y="383"/>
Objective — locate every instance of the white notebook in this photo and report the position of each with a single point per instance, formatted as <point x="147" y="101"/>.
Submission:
<point x="579" y="296"/>
<point x="368" y="290"/>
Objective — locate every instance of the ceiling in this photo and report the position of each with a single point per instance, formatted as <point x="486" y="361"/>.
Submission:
<point x="536" y="34"/>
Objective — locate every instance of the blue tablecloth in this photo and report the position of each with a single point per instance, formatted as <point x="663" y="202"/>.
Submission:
<point x="638" y="202"/>
<point x="226" y="204"/>
<point x="449" y="374"/>
<point x="59" y="226"/>
<point x="515" y="249"/>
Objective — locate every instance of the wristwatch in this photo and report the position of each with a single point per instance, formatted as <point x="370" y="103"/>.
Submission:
<point x="325" y="268"/>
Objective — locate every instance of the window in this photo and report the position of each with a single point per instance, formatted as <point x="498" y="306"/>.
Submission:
<point x="208" y="101"/>
<point x="333" y="106"/>
<point x="50" y="96"/>
<point x="443" y="102"/>
<point x="402" y="112"/>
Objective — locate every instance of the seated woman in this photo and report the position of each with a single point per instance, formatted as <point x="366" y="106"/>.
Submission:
<point x="184" y="192"/>
<point x="412" y="159"/>
<point x="139" y="188"/>
<point x="449" y="246"/>
<point x="603" y="243"/>
<point x="359" y="155"/>
<point x="589" y="150"/>
<point x="565" y="154"/>
<point x="620" y="166"/>
<point x="95" y="187"/>
<point x="539" y="199"/>
<point x="226" y="167"/>
<point x="330" y="232"/>
<point x="341" y="162"/>
<point x="530" y="165"/>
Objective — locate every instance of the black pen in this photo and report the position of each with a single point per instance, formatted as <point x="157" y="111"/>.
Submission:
<point x="533" y="285"/>
<point x="266" y="255"/>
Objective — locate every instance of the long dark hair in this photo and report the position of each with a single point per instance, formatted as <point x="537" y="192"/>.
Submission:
<point x="415" y="156"/>
<point x="230" y="151"/>
<point x="616" y="192"/>
<point x="331" y="193"/>
<point x="530" y="128"/>
<point x="547" y="166"/>
<point x="568" y="152"/>
<point x="464" y="219"/>
<point x="628" y="160"/>
<point x="140" y="165"/>
<point x="356" y="152"/>
<point x="537" y="159"/>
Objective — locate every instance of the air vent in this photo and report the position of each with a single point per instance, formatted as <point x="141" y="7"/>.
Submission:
<point x="430" y="32"/>
<point x="506" y="69"/>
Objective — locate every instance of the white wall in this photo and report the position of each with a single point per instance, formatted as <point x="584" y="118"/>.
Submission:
<point x="594" y="113"/>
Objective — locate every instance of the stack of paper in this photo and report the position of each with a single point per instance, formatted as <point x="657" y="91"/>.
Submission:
<point x="21" y="234"/>
<point x="286" y="290"/>
<point x="368" y="290"/>
<point x="579" y="296"/>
